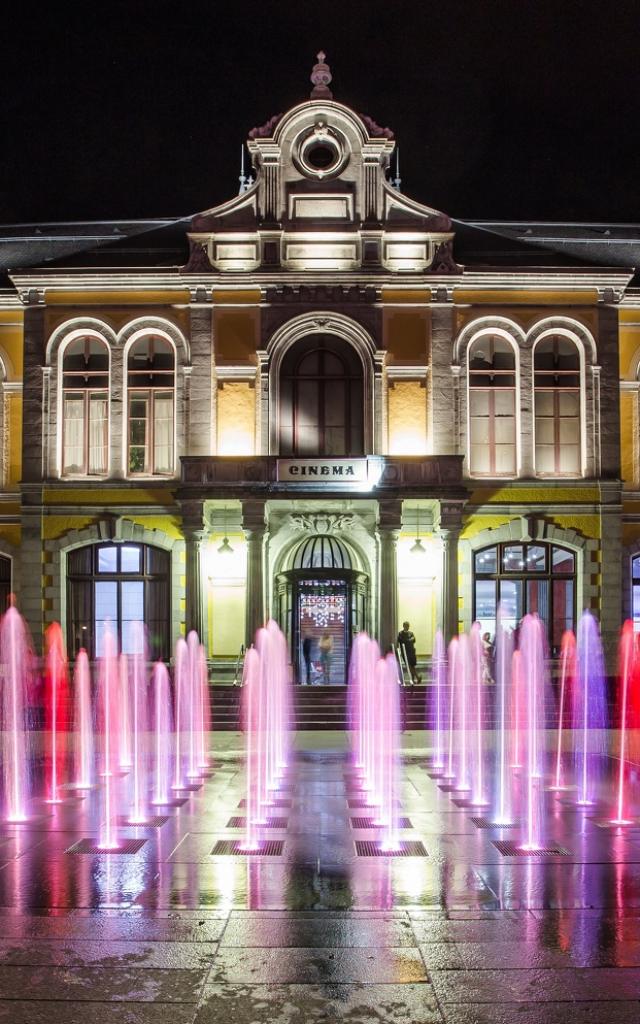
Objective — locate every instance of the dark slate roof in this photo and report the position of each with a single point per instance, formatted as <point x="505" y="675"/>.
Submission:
<point x="163" y="243"/>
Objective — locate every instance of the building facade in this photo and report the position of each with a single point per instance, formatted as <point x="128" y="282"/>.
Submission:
<point x="319" y="415"/>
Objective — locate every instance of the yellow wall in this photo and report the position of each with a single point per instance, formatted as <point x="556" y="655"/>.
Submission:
<point x="236" y="336"/>
<point x="406" y="336"/>
<point x="13" y="412"/>
<point x="407" y="418"/>
<point x="236" y="418"/>
<point x="225" y="580"/>
<point x="417" y="590"/>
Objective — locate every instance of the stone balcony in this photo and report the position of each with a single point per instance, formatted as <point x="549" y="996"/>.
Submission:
<point x="373" y="475"/>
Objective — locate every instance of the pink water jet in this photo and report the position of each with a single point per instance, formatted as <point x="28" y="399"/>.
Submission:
<point x="567" y="681"/>
<point x="124" y="714"/>
<point x="83" y="723"/>
<point x="532" y="650"/>
<point x="180" y="716"/>
<point x="388" y="693"/>
<point x="589" y="711"/>
<point x="505" y="690"/>
<point x="517" y="709"/>
<point x="250" y="702"/>
<point x="627" y="699"/>
<point x="138" y="707"/>
<point x="15" y="666"/>
<point x="55" y="707"/>
<point x="438" y="687"/>
<point x="477" y="702"/>
<point x="450" y="772"/>
<point x="162" y="724"/>
<point x="109" y="731"/>
<point x="462" y="673"/>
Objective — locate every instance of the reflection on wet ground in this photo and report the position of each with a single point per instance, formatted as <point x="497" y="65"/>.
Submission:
<point x="318" y="933"/>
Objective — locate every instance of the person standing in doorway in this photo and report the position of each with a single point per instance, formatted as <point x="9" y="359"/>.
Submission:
<point x="407" y="640"/>
<point x="307" y="652"/>
<point x="326" y="649"/>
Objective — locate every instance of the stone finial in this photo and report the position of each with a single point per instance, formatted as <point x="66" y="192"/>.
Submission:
<point x="321" y="76"/>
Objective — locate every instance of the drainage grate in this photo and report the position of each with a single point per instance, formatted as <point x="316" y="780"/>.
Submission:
<point x="371" y="848"/>
<point x="233" y="848"/>
<point x="510" y="848"/>
<point x="371" y="823"/>
<point x="189" y="787"/>
<point x="358" y="805"/>
<point x="178" y="802"/>
<point x="631" y="824"/>
<point x="487" y="823"/>
<point x="126" y="846"/>
<point x="447" y="787"/>
<point x="464" y="802"/>
<point x="241" y="822"/>
<point x="282" y="804"/>
<point x="153" y="821"/>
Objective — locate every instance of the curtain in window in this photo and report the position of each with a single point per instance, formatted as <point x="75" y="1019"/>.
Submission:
<point x="73" y="457"/>
<point x="163" y="434"/>
<point x="98" y="434"/>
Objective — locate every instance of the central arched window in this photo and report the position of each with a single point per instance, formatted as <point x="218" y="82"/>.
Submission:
<point x="321" y="399"/>
<point x="492" y="407"/>
<point x="85" y="407"/>
<point x="151" y="398"/>
<point x="556" y="361"/>
<point x="525" y="578"/>
<point x="118" y="586"/>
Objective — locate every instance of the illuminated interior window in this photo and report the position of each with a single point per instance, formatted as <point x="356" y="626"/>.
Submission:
<point x="321" y="399"/>
<point x="522" y="579"/>
<point x="85" y="408"/>
<point x="492" y="407"/>
<point x="118" y="587"/>
<point x="151" y="401"/>
<point x="557" y="407"/>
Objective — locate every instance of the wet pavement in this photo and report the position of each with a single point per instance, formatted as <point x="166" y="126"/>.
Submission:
<point x="461" y="934"/>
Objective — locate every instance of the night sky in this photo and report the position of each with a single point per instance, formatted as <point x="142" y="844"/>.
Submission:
<point x="523" y="109"/>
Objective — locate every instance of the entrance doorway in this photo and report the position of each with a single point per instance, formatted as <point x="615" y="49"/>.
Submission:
<point x="323" y="622"/>
<point x="324" y="600"/>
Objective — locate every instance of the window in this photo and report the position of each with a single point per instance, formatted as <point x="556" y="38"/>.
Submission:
<point x="635" y="592"/>
<point x="525" y="578"/>
<point x="557" y="407"/>
<point x="118" y="586"/>
<point x="492" y="407"/>
<point x="85" y="407"/>
<point x="321" y="399"/>
<point x="151" y="398"/>
<point x="5" y="582"/>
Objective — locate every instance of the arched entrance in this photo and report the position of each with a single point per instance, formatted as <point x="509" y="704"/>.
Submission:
<point x="322" y="596"/>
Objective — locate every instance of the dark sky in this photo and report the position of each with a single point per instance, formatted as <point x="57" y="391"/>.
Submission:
<point x="515" y="109"/>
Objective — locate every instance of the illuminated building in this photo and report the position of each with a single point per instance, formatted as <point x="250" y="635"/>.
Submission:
<point x="268" y="425"/>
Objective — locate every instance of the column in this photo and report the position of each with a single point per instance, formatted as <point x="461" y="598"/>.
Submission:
<point x="200" y="425"/>
<point x="195" y="536"/>
<point x="448" y="529"/>
<point x="610" y="597"/>
<point x="527" y="413"/>
<point x="389" y="525"/>
<point x="254" y="527"/>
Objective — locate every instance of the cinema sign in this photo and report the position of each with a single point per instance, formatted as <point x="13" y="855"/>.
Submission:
<point x="318" y="471"/>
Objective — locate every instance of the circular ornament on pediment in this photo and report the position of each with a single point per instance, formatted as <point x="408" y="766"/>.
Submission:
<point x="320" y="152"/>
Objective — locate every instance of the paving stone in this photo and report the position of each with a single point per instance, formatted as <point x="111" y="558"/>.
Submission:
<point x="494" y="986"/>
<point x="183" y="926"/>
<point x="19" y="1011"/>
<point x="317" y="930"/>
<point x="99" y="984"/>
<point x="543" y="1013"/>
<point x="70" y="952"/>
<point x="311" y="1004"/>
<point x="311" y="966"/>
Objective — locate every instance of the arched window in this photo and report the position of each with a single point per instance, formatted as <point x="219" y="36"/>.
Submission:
<point x="151" y="399"/>
<point x="85" y="407"/>
<point x="525" y="578"/>
<point x="635" y="592"/>
<point x="492" y="407"/>
<point x="556" y="361"/>
<point x="120" y="586"/>
<point x="321" y="399"/>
